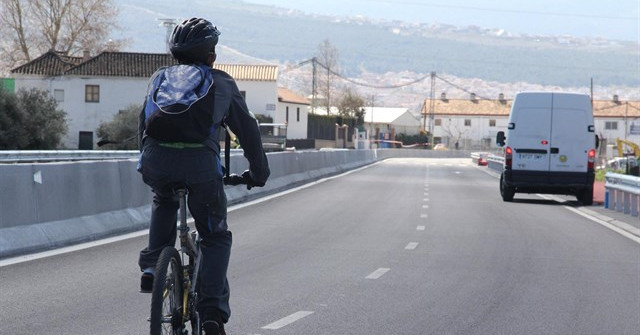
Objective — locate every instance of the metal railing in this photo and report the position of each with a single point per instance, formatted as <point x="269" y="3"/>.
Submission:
<point x="44" y="156"/>
<point x="28" y="156"/>
<point x="621" y="193"/>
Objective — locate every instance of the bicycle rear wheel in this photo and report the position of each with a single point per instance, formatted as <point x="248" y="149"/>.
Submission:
<point x="167" y="294"/>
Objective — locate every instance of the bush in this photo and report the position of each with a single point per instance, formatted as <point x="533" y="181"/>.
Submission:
<point x="122" y="131"/>
<point x="30" y="120"/>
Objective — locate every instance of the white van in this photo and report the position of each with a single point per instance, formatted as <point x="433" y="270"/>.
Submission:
<point x="550" y="146"/>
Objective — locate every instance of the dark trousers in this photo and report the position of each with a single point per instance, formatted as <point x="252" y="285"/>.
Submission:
<point x="199" y="170"/>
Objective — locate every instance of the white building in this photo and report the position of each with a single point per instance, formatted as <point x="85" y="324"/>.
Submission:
<point x="293" y="110"/>
<point x="92" y="90"/>
<point x="390" y="120"/>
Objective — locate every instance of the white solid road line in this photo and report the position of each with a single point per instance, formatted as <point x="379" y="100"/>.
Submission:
<point x="377" y="273"/>
<point x="287" y="320"/>
<point x="576" y="210"/>
<point x="606" y="224"/>
<point x="64" y="250"/>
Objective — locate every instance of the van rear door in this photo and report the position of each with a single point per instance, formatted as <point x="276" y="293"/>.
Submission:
<point x="571" y="133"/>
<point x="531" y="132"/>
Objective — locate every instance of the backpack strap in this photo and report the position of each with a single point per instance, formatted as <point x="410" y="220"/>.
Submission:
<point x="227" y="151"/>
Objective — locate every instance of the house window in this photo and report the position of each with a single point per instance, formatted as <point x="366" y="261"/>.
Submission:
<point x="437" y="122"/>
<point x="298" y="114"/>
<point x="92" y="93"/>
<point x="287" y="115"/>
<point x="492" y="123"/>
<point x="58" y="95"/>
<point x="611" y="125"/>
<point x="467" y="122"/>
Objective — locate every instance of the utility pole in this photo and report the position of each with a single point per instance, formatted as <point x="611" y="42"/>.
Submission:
<point x="432" y="107"/>
<point x="626" y="114"/>
<point x="314" y="84"/>
<point x="169" y="24"/>
<point x="328" y="90"/>
<point x="314" y="81"/>
<point x="371" y="125"/>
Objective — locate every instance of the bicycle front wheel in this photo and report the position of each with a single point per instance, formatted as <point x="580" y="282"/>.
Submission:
<point x="167" y="294"/>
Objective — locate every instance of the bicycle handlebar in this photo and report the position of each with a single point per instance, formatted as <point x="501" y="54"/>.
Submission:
<point x="234" y="179"/>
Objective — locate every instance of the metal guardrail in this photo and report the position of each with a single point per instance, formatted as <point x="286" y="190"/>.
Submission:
<point x="27" y="156"/>
<point x="622" y="193"/>
<point x="495" y="162"/>
<point x="44" y="156"/>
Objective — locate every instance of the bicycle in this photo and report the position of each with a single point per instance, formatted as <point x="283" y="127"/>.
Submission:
<point x="175" y="291"/>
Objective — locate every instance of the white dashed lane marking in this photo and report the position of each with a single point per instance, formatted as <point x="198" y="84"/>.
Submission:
<point x="287" y="320"/>
<point x="411" y="245"/>
<point x="377" y="273"/>
<point x="421" y="228"/>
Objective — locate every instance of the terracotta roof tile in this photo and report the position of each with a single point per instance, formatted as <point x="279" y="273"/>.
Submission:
<point x="466" y="107"/>
<point x="610" y="109"/>
<point x="286" y="95"/>
<point x="129" y="64"/>
<point x="250" y="72"/>
<point x="122" y="64"/>
<point x="48" y="64"/>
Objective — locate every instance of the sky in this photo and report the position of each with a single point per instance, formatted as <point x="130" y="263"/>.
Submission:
<point x="611" y="19"/>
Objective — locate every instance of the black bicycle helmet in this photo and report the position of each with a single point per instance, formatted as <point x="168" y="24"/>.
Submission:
<point x="193" y="40"/>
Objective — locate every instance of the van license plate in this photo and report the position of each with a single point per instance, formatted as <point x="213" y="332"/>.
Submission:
<point x="530" y="156"/>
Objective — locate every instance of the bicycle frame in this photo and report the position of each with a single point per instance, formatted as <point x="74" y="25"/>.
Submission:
<point x="189" y="246"/>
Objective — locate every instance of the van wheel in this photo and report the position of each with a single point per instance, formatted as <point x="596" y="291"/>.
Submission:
<point x="506" y="192"/>
<point x="586" y="196"/>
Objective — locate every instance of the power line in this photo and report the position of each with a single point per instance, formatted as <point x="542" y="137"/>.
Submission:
<point x="360" y="83"/>
<point x="461" y="88"/>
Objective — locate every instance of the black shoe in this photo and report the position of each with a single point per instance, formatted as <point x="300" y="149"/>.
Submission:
<point x="212" y="323"/>
<point x="146" y="283"/>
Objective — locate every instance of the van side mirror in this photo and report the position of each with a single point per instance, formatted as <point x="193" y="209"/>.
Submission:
<point x="500" y="139"/>
<point x="597" y="141"/>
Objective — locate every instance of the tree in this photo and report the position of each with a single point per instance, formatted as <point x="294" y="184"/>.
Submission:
<point x="32" y="27"/>
<point x="30" y="120"/>
<point x="454" y="131"/>
<point x="12" y="135"/>
<point x="352" y="104"/>
<point x="328" y="58"/>
<point x="122" y="131"/>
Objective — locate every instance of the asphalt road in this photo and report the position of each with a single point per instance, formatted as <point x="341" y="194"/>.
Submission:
<point x="406" y="246"/>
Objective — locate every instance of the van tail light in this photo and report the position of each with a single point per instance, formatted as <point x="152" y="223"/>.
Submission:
<point x="508" y="157"/>
<point x="591" y="155"/>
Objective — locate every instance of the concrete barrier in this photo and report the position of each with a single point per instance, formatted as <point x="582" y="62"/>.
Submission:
<point x="48" y="205"/>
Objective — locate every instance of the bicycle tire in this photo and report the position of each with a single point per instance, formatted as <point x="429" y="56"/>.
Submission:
<point x="167" y="294"/>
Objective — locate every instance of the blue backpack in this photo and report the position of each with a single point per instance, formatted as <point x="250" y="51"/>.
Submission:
<point x="180" y="110"/>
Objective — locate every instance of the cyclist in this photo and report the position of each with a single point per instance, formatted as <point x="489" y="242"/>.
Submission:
<point x="183" y="101"/>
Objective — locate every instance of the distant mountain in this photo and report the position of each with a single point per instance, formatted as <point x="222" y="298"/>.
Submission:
<point x="374" y="48"/>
